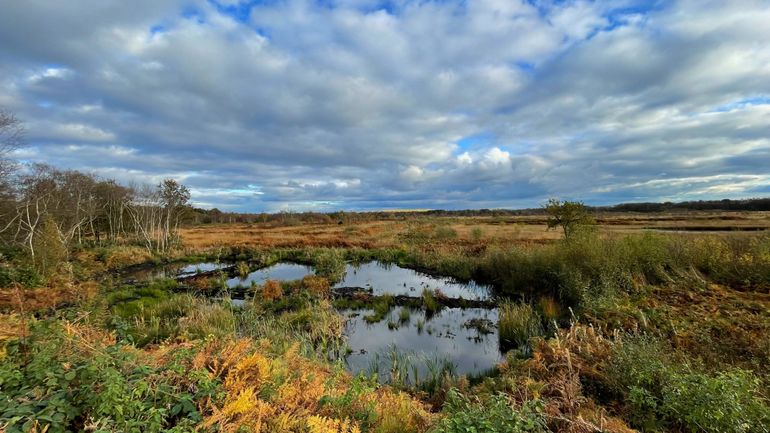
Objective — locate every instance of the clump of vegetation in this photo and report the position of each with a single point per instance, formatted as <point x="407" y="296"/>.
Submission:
<point x="316" y="285"/>
<point x="482" y="326"/>
<point x="477" y="233"/>
<point x="66" y="377"/>
<point x="330" y="264"/>
<point x="380" y="308"/>
<point x="429" y="302"/>
<point x="243" y="269"/>
<point x="271" y="290"/>
<point x="666" y="391"/>
<point x="443" y="233"/>
<point x="48" y="251"/>
<point x="404" y="315"/>
<point x="496" y="414"/>
<point x="549" y="308"/>
<point x="518" y="323"/>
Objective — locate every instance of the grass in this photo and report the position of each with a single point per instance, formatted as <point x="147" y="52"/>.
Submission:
<point x="380" y="308"/>
<point x="429" y="302"/>
<point x="404" y="314"/>
<point x="517" y="324"/>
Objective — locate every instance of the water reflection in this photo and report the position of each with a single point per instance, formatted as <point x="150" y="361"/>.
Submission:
<point x="391" y="279"/>
<point x="280" y="271"/>
<point x="448" y="334"/>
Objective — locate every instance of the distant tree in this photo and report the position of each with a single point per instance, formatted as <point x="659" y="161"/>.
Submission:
<point x="571" y="216"/>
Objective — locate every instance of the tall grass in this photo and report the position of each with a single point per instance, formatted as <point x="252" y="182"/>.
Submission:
<point x="518" y="323"/>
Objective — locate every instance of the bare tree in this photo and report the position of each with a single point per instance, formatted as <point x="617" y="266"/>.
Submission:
<point x="11" y="135"/>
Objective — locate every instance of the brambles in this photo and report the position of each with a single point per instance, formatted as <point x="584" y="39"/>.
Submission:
<point x="665" y="391"/>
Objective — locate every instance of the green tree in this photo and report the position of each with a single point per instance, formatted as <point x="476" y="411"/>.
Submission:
<point x="571" y="216"/>
<point x="49" y="249"/>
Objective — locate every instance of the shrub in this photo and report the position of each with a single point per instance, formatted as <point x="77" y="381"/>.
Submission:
<point x="665" y="391"/>
<point x="48" y="247"/>
<point x="497" y="414"/>
<point x="19" y="273"/>
<point x="76" y="379"/>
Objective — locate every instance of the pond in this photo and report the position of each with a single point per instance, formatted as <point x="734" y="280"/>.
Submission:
<point x="280" y="271"/>
<point x="384" y="279"/>
<point x="173" y="270"/>
<point x="465" y="338"/>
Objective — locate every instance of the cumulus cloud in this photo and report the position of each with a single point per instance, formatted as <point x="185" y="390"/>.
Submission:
<point x="369" y="104"/>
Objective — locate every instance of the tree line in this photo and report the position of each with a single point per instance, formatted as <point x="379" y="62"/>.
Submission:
<point x="43" y="208"/>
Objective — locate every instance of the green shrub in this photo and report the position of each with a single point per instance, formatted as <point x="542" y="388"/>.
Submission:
<point x="59" y="384"/>
<point x="497" y="414"/>
<point x="664" y="391"/>
<point x="21" y="273"/>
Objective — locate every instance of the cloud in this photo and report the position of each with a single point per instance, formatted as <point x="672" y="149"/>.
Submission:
<point x="369" y="104"/>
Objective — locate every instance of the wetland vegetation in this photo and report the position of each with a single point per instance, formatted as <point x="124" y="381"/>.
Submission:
<point x="425" y="324"/>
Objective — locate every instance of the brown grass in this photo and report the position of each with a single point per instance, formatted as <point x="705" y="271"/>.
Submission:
<point x="495" y="230"/>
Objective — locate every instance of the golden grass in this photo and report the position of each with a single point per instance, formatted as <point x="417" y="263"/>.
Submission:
<point x="268" y="393"/>
<point x="494" y="230"/>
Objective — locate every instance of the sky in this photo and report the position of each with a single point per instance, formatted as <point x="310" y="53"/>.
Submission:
<point x="274" y="105"/>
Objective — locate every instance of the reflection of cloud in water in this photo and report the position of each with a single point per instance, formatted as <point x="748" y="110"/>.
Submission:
<point x="443" y="336"/>
<point x="280" y="271"/>
<point x="395" y="280"/>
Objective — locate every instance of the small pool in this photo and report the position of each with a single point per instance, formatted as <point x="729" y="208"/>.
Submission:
<point x="465" y="338"/>
<point x="384" y="278"/>
<point x="280" y="271"/>
<point x="173" y="270"/>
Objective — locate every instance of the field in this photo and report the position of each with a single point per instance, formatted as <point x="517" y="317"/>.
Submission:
<point x="495" y="230"/>
<point x="646" y="322"/>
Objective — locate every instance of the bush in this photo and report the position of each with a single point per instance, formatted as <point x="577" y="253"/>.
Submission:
<point x="664" y="391"/>
<point x="22" y="274"/>
<point x="497" y="414"/>
<point x="57" y="382"/>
